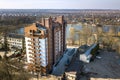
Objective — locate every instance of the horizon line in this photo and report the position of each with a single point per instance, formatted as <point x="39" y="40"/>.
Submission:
<point x="61" y="8"/>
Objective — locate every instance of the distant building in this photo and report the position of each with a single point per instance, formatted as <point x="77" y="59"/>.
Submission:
<point x="45" y="43"/>
<point x="14" y="40"/>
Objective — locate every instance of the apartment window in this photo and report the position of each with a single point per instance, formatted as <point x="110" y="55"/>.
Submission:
<point x="30" y="31"/>
<point x="38" y="31"/>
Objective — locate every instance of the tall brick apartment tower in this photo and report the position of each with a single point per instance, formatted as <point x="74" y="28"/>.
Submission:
<point x="45" y="43"/>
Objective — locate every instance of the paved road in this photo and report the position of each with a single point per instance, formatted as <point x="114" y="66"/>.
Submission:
<point x="61" y="66"/>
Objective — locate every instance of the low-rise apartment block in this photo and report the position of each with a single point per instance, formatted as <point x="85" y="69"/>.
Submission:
<point x="14" y="40"/>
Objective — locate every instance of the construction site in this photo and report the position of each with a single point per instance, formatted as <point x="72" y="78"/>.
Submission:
<point x="105" y="66"/>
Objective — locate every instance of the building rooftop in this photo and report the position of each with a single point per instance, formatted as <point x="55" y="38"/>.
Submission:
<point x="13" y="35"/>
<point x="40" y="26"/>
<point x="89" y="49"/>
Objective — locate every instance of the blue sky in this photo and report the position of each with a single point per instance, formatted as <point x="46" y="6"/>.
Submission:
<point x="59" y="4"/>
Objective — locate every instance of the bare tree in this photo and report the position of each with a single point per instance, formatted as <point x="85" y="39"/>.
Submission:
<point x="72" y="34"/>
<point x="12" y="70"/>
<point x="5" y="42"/>
<point x="86" y="32"/>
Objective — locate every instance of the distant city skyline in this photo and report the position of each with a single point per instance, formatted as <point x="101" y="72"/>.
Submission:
<point x="59" y="4"/>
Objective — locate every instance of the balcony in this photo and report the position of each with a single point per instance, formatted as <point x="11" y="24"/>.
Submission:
<point x="30" y="41"/>
<point x="38" y="68"/>
<point x="38" y="50"/>
<point x="38" y="46"/>
<point x="43" y="69"/>
<point x="38" y="54"/>
<point x="32" y="49"/>
<point x="32" y="57"/>
<point x="31" y="45"/>
<point x="31" y="53"/>
<point x="37" y="62"/>
<point x="37" y="58"/>
<point x="32" y="60"/>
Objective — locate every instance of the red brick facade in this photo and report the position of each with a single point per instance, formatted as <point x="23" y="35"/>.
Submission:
<point x="55" y="34"/>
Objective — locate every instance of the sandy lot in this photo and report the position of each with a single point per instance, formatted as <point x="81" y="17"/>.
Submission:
<point x="106" y="67"/>
<point x="9" y="53"/>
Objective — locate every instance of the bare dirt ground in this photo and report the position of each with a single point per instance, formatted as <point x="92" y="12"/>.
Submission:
<point x="106" y="67"/>
<point x="9" y="53"/>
